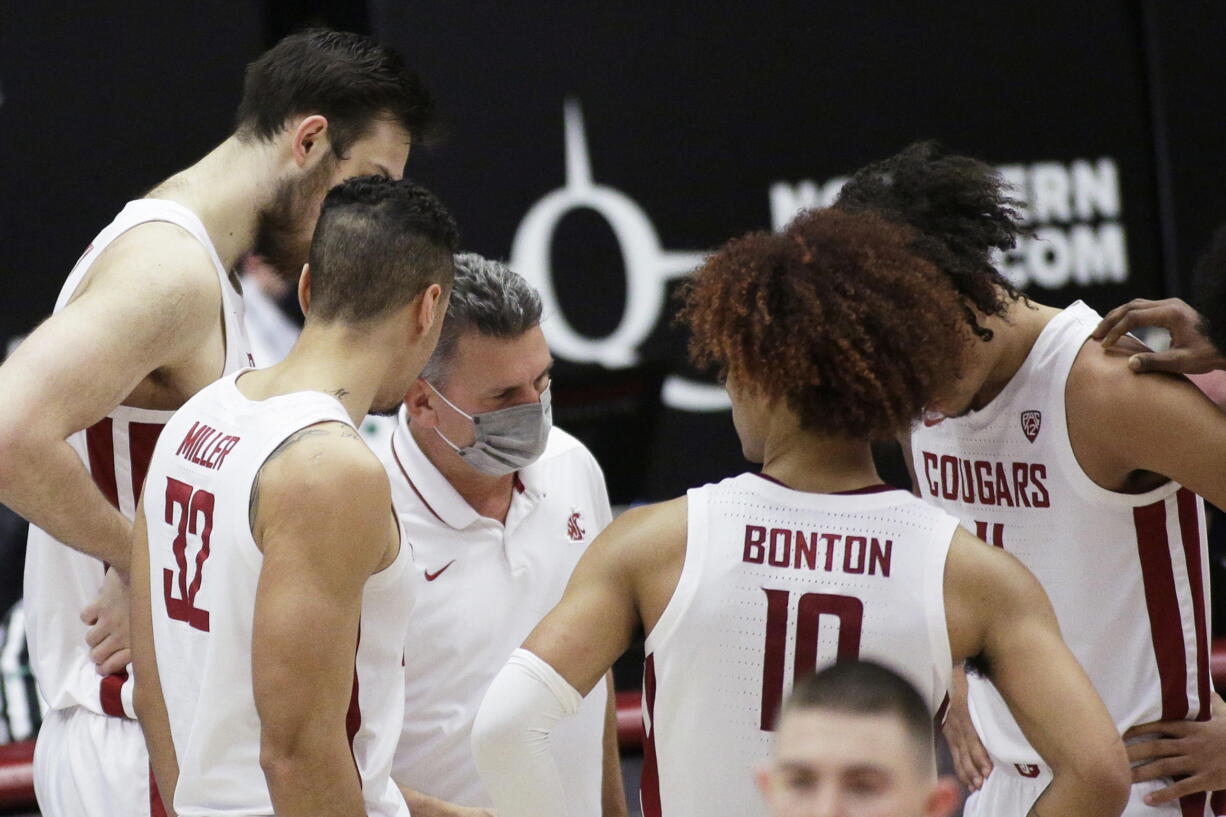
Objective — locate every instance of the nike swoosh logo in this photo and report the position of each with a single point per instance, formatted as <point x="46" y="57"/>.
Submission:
<point x="432" y="576"/>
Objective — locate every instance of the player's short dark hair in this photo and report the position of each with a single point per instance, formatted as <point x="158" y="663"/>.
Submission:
<point x="378" y="244"/>
<point x="962" y="211"/>
<point x="349" y="79"/>
<point x="866" y="688"/>
<point x="837" y="316"/>
<point x="488" y="298"/>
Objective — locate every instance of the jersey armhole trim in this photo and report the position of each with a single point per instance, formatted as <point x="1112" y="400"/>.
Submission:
<point x="696" y="543"/>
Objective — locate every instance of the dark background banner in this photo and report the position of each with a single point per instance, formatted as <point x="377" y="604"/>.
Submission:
<point x="603" y="148"/>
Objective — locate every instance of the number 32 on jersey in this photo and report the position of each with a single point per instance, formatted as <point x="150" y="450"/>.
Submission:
<point x="192" y="512"/>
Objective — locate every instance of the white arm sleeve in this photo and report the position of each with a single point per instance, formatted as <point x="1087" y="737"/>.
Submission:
<point x="510" y="737"/>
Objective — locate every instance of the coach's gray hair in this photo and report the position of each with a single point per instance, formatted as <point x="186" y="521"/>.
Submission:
<point x="487" y="298"/>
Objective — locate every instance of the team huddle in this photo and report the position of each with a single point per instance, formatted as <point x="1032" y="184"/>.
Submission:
<point x="279" y="619"/>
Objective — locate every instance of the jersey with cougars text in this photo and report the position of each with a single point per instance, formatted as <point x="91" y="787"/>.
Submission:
<point x="204" y="567"/>
<point x="777" y="583"/>
<point x="60" y="581"/>
<point x="1126" y="573"/>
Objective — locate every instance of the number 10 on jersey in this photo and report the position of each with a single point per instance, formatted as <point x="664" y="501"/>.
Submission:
<point x="810" y="608"/>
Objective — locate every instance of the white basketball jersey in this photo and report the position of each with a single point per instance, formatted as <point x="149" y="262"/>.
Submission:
<point x="60" y="581"/>
<point x="777" y="583"/>
<point x="204" y="566"/>
<point x="1126" y="573"/>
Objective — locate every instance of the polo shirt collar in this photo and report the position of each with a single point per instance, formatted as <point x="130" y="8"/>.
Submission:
<point x="426" y="481"/>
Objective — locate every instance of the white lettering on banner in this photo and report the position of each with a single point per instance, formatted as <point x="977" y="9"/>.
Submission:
<point x="649" y="268"/>
<point x="1074" y="209"/>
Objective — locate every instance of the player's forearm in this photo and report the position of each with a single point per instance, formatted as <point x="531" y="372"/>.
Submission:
<point x="312" y="781"/>
<point x="162" y="759"/>
<point x="50" y="486"/>
<point x="1086" y="790"/>
<point x="423" y="805"/>
<point x="612" y="789"/>
<point x="511" y="737"/>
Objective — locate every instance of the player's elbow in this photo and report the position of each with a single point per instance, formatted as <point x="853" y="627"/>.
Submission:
<point x="291" y="758"/>
<point x="1103" y="774"/>
<point x="498" y="731"/>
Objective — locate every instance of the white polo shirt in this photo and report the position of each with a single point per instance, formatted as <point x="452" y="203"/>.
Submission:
<point x="481" y="587"/>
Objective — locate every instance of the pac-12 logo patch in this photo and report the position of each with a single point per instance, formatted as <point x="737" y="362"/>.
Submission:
<point x="573" y="529"/>
<point x="1031" y="422"/>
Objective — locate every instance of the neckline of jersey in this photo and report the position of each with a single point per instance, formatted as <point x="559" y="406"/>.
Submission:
<point x="877" y="488"/>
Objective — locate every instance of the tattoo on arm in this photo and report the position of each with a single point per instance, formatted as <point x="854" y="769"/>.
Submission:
<point x="254" y="500"/>
<point x="339" y="394"/>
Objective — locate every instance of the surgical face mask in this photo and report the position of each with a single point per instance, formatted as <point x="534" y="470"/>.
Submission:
<point x="507" y="439"/>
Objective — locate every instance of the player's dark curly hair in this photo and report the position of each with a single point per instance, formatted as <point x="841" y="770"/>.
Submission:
<point x="836" y="315"/>
<point x="962" y="210"/>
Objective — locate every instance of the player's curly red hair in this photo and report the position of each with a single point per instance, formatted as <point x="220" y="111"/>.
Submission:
<point x="835" y="315"/>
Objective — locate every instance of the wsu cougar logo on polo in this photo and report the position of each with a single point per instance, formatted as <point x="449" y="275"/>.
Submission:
<point x="573" y="529"/>
<point x="1031" y="422"/>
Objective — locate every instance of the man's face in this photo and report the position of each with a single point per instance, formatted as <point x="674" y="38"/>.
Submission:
<point x="957" y="397"/>
<point x="284" y="233"/>
<point x="491" y="373"/>
<point x="837" y="764"/>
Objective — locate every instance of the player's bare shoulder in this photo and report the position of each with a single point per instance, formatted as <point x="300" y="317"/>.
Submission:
<point x="325" y="480"/>
<point x="1108" y="404"/>
<point x="158" y="259"/>
<point x="646" y="545"/>
<point x="159" y="286"/>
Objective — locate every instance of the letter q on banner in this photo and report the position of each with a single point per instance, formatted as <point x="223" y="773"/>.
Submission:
<point x="649" y="268"/>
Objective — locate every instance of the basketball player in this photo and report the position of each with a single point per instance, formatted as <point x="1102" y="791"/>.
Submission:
<point x="499" y="505"/>
<point x="148" y="317"/>
<point x="270" y="578"/>
<point x="1052" y="449"/>
<point x="855" y="740"/>
<point x="830" y="335"/>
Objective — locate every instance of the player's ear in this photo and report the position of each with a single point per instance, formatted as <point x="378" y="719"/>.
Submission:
<point x="943" y="799"/>
<point x="310" y="141"/>
<point x="430" y="309"/>
<point x="304" y="289"/>
<point x="419" y="405"/>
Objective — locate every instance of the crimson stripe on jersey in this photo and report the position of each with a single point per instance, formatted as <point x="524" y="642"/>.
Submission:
<point x="649" y="779"/>
<point x="1165" y="624"/>
<point x="142" y="437"/>
<point x="1189" y="528"/>
<point x="938" y="720"/>
<point x="100" y="444"/>
<point x="353" y="718"/>
<point x="156" y="807"/>
<point x="110" y="690"/>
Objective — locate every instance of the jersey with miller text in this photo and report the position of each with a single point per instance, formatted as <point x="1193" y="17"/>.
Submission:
<point x="1126" y="573"/>
<point x="777" y="583"/>
<point x="61" y="581"/>
<point x="204" y="567"/>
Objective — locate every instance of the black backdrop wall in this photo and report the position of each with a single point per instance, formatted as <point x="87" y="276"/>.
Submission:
<point x="603" y="148"/>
